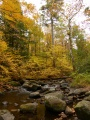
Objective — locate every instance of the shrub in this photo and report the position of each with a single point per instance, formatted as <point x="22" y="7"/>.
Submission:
<point x="81" y="80"/>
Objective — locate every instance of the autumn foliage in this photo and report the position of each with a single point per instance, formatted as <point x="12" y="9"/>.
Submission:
<point x="26" y="49"/>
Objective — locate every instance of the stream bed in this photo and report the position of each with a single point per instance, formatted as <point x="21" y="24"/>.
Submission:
<point x="54" y="93"/>
<point x="13" y="99"/>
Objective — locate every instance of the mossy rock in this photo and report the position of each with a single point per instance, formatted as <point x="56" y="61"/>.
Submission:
<point x="28" y="108"/>
<point x="83" y="110"/>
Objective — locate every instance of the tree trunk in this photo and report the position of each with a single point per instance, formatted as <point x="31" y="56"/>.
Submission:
<point x="52" y="35"/>
<point x="70" y="44"/>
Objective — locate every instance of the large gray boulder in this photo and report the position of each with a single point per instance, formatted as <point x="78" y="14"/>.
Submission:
<point x="29" y="107"/>
<point x="6" y="115"/>
<point x="58" y="94"/>
<point x="54" y="102"/>
<point x="83" y="110"/>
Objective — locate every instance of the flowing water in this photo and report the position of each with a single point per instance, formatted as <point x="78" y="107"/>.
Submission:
<point x="12" y="101"/>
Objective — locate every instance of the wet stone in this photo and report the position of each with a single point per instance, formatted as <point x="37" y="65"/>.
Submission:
<point x="6" y="115"/>
<point x="34" y="95"/>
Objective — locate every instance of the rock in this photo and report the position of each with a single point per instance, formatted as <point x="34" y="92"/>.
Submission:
<point x="35" y="87"/>
<point x="87" y="93"/>
<point x="67" y="90"/>
<point x="5" y="103"/>
<point x="76" y="118"/>
<point x="87" y="98"/>
<point x="29" y="107"/>
<point x="32" y="86"/>
<point x="6" y="115"/>
<point x="34" y="95"/>
<point x="44" y="89"/>
<point x="21" y="81"/>
<point x="83" y="110"/>
<point x="27" y="86"/>
<point x="47" y="89"/>
<point x="64" y="85"/>
<point x="69" y="111"/>
<point x="63" y="115"/>
<point x="58" y="94"/>
<point x="16" y="104"/>
<point x="69" y="99"/>
<point x="1" y="118"/>
<point x="51" y="89"/>
<point x="79" y="91"/>
<point x="57" y="87"/>
<point x="14" y="110"/>
<point x="54" y="103"/>
<point x="42" y="83"/>
<point x="71" y="92"/>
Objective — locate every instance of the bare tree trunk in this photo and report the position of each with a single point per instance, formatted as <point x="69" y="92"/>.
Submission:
<point x="70" y="44"/>
<point x="52" y="34"/>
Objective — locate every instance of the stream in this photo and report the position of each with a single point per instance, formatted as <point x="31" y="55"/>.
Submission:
<point x="13" y="99"/>
<point x="40" y="92"/>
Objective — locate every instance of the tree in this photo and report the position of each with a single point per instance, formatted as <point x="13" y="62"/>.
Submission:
<point x="79" y="42"/>
<point x="51" y="13"/>
<point x="17" y="27"/>
<point x="71" y="11"/>
<point x="12" y="25"/>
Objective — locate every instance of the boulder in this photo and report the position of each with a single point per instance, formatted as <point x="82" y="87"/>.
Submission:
<point x="28" y="108"/>
<point x="58" y="94"/>
<point x="6" y="115"/>
<point x="83" y="110"/>
<point x="79" y="91"/>
<point x="87" y="98"/>
<point x="54" y="102"/>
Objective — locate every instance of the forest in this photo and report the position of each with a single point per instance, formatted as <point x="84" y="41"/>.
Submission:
<point x="44" y="60"/>
<point x="45" y="44"/>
